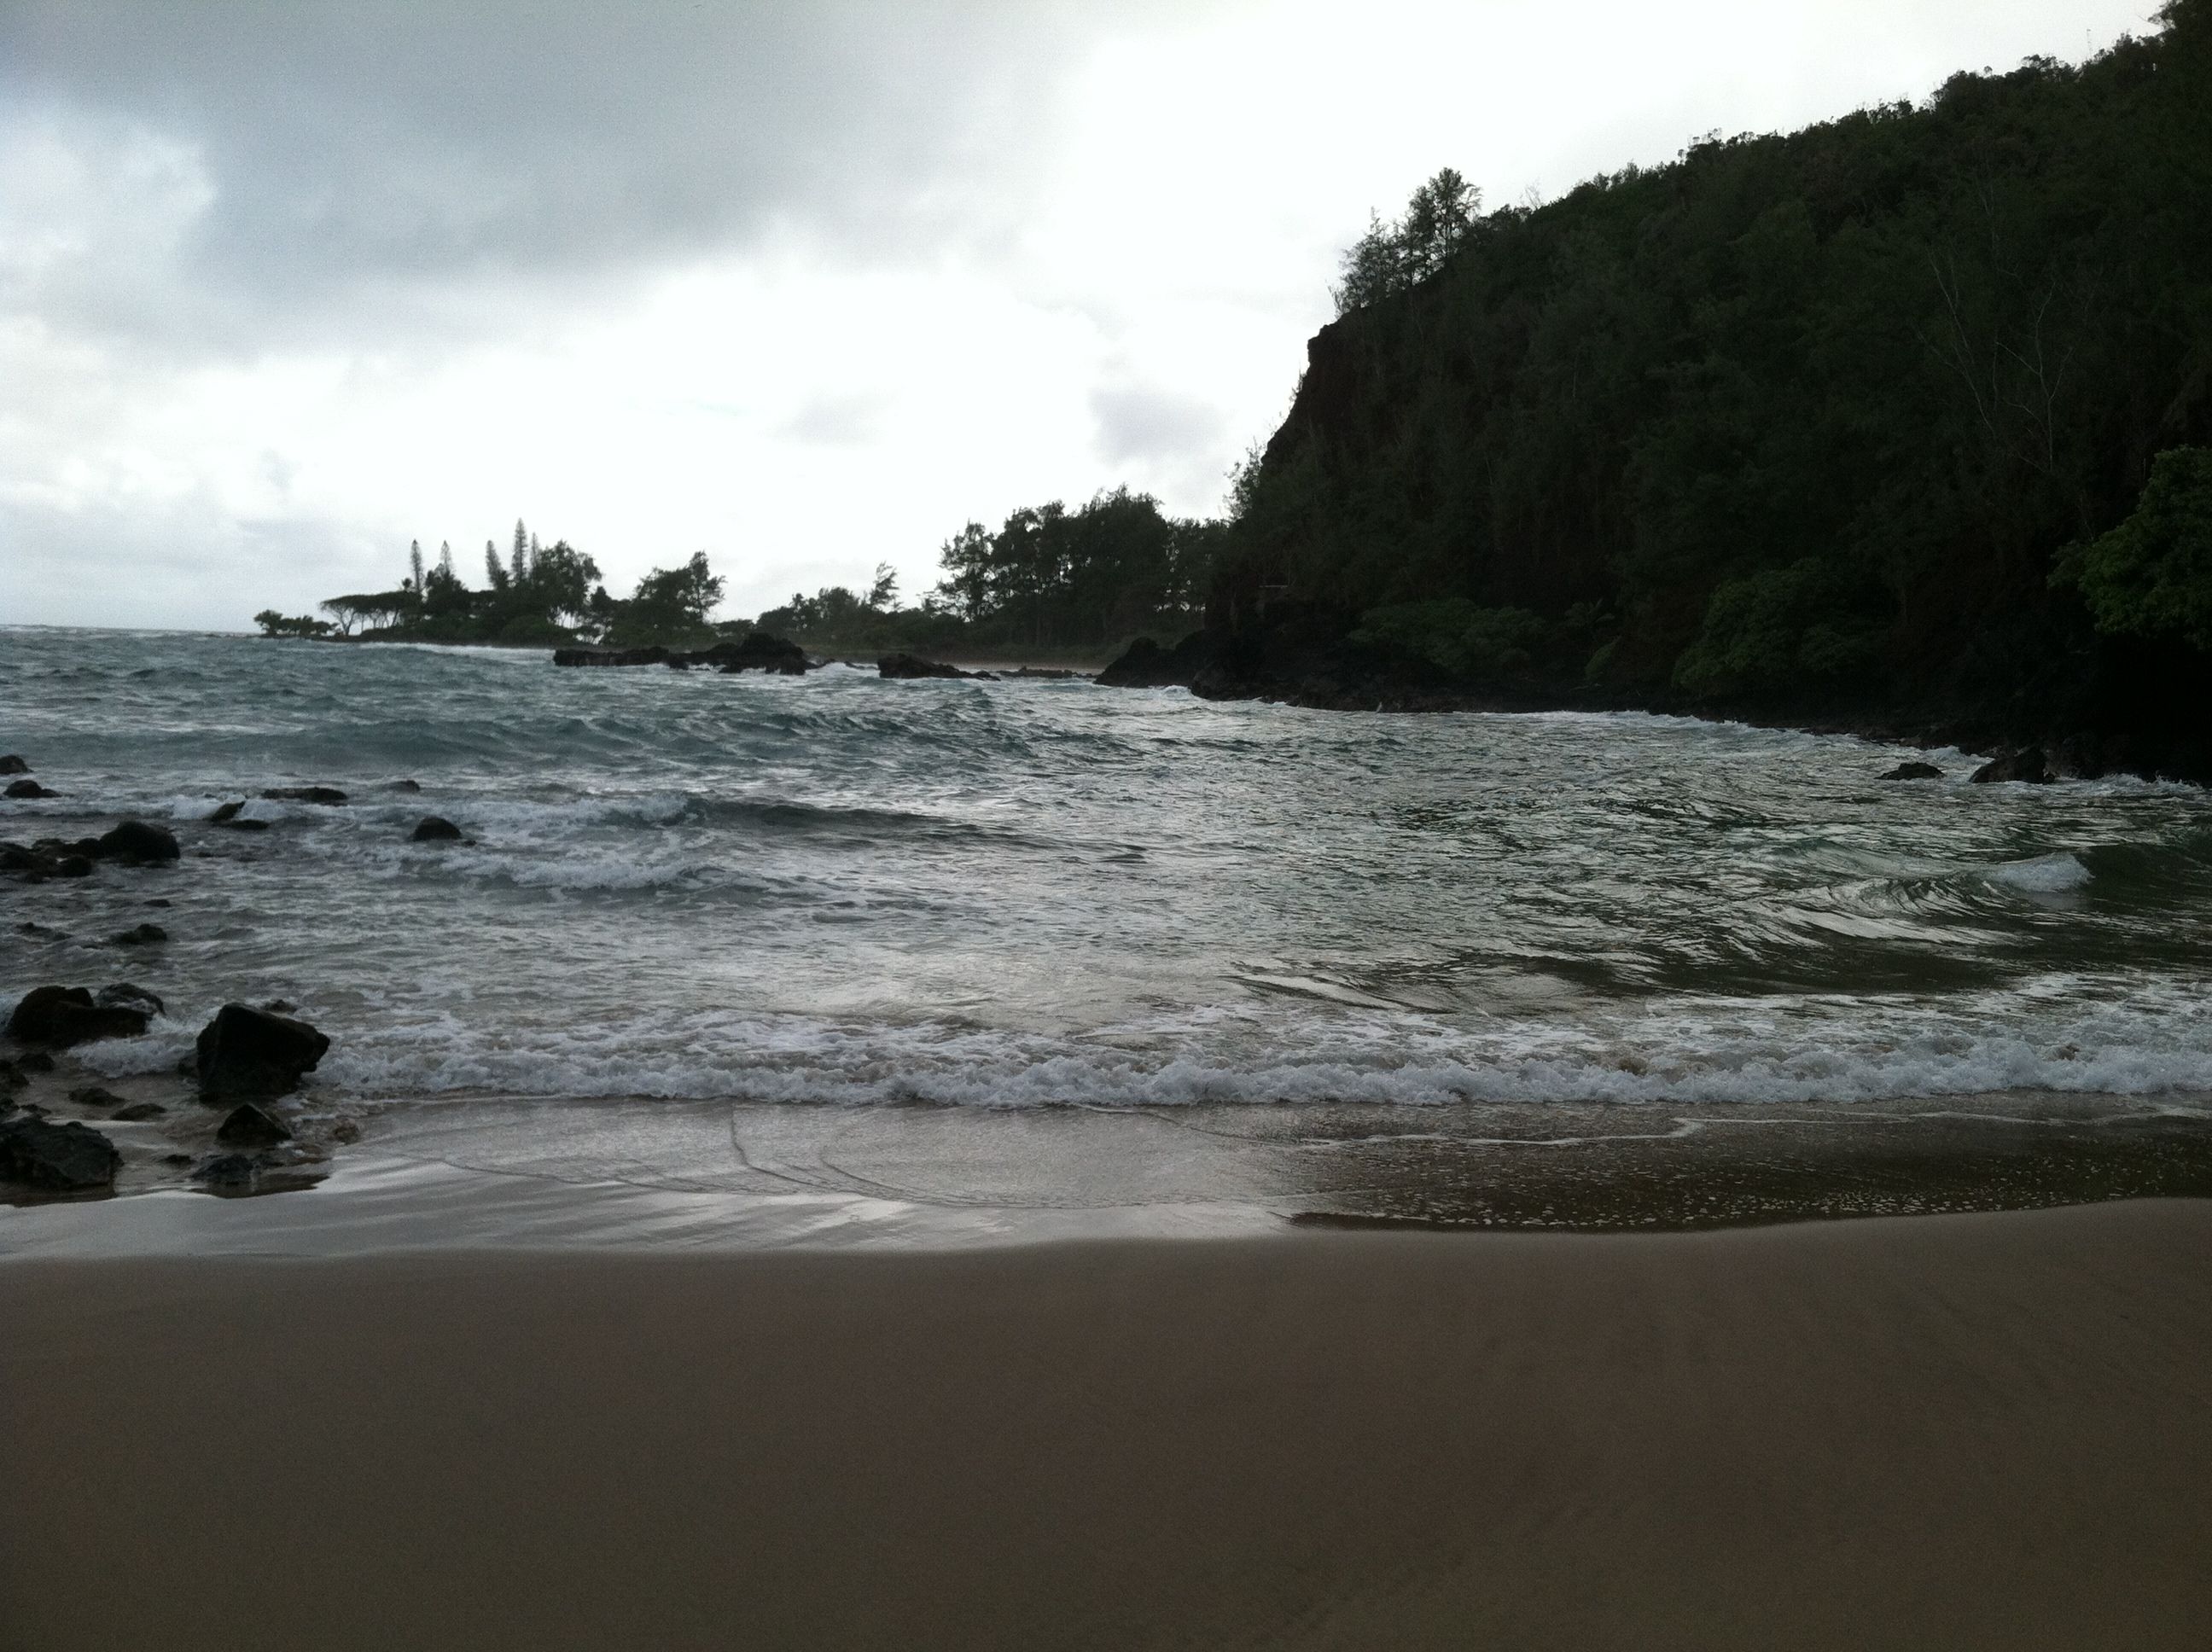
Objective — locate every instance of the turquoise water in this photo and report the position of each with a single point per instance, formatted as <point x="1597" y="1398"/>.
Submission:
<point x="837" y="888"/>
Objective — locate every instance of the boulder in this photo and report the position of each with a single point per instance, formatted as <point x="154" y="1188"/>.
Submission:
<point x="409" y="786"/>
<point x="434" y="829"/>
<point x="656" y="656"/>
<point x="2027" y="765"/>
<point x="140" y="935"/>
<point x="913" y="665"/>
<point x="1914" y="771"/>
<point x="1146" y="664"/>
<point x="227" y="1170"/>
<point x="64" y="1015"/>
<point x="241" y="823"/>
<point x="226" y="813"/>
<point x="12" y="764"/>
<point x="29" y="789"/>
<point x="246" y="1053"/>
<point x="248" y="1126"/>
<point x="329" y="796"/>
<point x="73" y="865"/>
<point x="123" y="995"/>
<point x="760" y="651"/>
<point x="59" y="1157"/>
<point x="96" y="1096"/>
<point x="34" y="1061"/>
<point x="139" y="1112"/>
<point x="137" y="843"/>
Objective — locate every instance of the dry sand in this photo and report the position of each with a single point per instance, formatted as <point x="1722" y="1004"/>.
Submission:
<point x="1975" y="1431"/>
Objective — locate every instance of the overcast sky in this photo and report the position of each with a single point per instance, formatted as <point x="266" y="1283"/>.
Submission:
<point x="284" y="285"/>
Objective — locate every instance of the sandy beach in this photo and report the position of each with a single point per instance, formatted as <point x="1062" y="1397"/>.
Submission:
<point x="1990" y="1431"/>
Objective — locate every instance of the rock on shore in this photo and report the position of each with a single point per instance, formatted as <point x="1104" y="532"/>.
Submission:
<point x="58" y="1157"/>
<point x="250" y="1054"/>
<point x="61" y="1017"/>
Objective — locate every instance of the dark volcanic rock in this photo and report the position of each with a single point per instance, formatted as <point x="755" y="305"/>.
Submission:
<point x="913" y="665"/>
<point x="408" y="786"/>
<point x="246" y="1053"/>
<point x="330" y="796"/>
<point x="96" y="1096"/>
<point x="29" y="789"/>
<point x="1914" y="771"/>
<point x="64" y="1015"/>
<point x="35" y="1061"/>
<point x="123" y="995"/>
<point x="242" y="823"/>
<point x="60" y="1157"/>
<point x="227" y="1170"/>
<point x="2027" y="765"/>
<point x="139" y="1112"/>
<point x="11" y="764"/>
<point x="434" y="829"/>
<point x="142" y="935"/>
<point x="656" y="656"/>
<point x="138" y="844"/>
<point x="759" y="651"/>
<point x="1146" y="664"/>
<point x="249" y="1126"/>
<point x="228" y="811"/>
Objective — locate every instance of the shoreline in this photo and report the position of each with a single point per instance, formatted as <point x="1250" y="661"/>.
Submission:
<point x="1974" y="1431"/>
<point x="501" y="1171"/>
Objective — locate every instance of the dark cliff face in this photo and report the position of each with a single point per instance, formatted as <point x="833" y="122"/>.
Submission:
<point x="1797" y="428"/>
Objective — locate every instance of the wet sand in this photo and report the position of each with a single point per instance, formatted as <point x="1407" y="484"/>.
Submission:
<point x="1990" y="1431"/>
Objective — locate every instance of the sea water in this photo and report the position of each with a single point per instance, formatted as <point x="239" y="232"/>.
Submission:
<point x="767" y="892"/>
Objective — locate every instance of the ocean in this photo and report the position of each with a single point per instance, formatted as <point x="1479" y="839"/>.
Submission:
<point x="704" y="927"/>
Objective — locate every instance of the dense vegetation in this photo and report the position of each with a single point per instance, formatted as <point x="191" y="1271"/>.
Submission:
<point x="538" y="596"/>
<point x="1050" y="580"/>
<point x="1845" y="418"/>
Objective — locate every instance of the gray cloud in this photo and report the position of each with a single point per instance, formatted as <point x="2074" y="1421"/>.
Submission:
<point x="834" y="421"/>
<point x="1138" y="422"/>
<point x="336" y="164"/>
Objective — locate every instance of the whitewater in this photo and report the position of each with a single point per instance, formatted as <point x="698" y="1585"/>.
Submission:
<point x="1027" y="893"/>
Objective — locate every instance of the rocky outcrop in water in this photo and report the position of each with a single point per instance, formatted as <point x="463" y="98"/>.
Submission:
<point x="62" y="1017"/>
<point x="1914" y="771"/>
<point x="250" y="1054"/>
<point x="758" y="651"/>
<point x="12" y="764"/>
<point x="56" y="1157"/>
<point x="2028" y="765"/>
<point x="135" y="843"/>
<point x="328" y="796"/>
<point x="434" y="829"/>
<point x="22" y="791"/>
<point x="910" y="666"/>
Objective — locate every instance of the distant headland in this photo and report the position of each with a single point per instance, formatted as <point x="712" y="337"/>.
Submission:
<point x="1899" y="424"/>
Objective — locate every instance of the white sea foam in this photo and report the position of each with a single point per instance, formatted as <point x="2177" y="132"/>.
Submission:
<point x="2049" y="874"/>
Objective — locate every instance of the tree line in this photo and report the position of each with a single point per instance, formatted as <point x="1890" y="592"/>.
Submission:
<point x="537" y="595"/>
<point x="1052" y="577"/>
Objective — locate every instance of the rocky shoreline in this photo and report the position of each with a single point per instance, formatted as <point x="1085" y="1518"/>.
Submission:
<point x="1298" y="657"/>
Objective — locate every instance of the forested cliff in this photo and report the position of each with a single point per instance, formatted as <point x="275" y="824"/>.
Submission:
<point x="1825" y="426"/>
